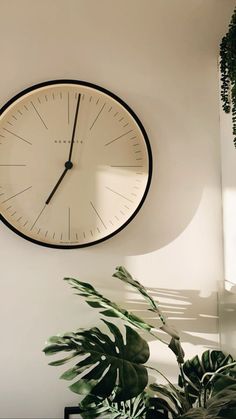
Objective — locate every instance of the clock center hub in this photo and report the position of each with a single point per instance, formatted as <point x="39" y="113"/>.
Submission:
<point x="68" y="165"/>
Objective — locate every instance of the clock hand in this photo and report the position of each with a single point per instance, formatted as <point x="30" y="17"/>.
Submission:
<point x="68" y="163"/>
<point x="74" y="128"/>
<point x="68" y="166"/>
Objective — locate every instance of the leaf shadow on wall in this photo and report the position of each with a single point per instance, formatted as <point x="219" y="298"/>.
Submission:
<point x="191" y="314"/>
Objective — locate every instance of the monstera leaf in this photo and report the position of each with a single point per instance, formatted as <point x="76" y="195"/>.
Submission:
<point x="94" y="407"/>
<point x="221" y="406"/>
<point x="174" y="344"/>
<point x="110" y="309"/>
<point x="111" y="364"/>
<point x="199" y="371"/>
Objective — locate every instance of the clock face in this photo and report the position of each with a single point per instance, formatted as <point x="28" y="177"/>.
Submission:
<point x="75" y="164"/>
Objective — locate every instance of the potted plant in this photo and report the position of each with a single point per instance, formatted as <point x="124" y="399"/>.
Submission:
<point x="111" y="370"/>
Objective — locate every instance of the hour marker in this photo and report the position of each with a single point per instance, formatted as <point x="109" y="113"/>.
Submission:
<point x="61" y="236"/>
<point x="9" y="123"/>
<point x="26" y="223"/>
<point x="99" y="113"/>
<point x="139" y="159"/>
<point x="116" y="114"/>
<point x="20" y="112"/>
<point x="60" y="95"/>
<point x="2" y="136"/>
<point x="53" y="235"/>
<point x="132" y="138"/>
<point x="122" y="212"/>
<point x="117" y="138"/>
<point x="97" y="101"/>
<point x="19" y="193"/>
<point x="126" y="206"/>
<point x="91" y="233"/>
<point x="104" y="225"/>
<point x="68" y="107"/>
<point x="117" y="193"/>
<point x="17" y="136"/>
<point x="69" y="223"/>
<point x="125" y="166"/>
<point x="125" y="125"/>
<point x="39" y="100"/>
<point x="45" y="235"/>
<point x="13" y="116"/>
<point x="9" y="207"/>
<point x="121" y="119"/>
<point x="13" y="214"/>
<point x="138" y="151"/>
<point x="76" y="235"/>
<point x="37" y="217"/>
<point x="83" y="96"/>
<point x="19" y="218"/>
<point x="90" y="99"/>
<point x="110" y="109"/>
<point x="53" y="96"/>
<point x="26" y="108"/>
<point x="117" y="218"/>
<point x="37" y="112"/>
<point x="39" y="230"/>
<point x="84" y="235"/>
<point x="134" y="145"/>
<point x="46" y="98"/>
<point x="98" y="230"/>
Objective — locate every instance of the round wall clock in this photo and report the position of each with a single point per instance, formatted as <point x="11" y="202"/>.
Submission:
<point x="75" y="164"/>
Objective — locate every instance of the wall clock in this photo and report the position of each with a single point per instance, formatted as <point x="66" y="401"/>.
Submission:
<point x="75" y="164"/>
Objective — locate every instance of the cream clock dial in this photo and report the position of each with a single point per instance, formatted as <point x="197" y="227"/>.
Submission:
<point x="75" y="164"/>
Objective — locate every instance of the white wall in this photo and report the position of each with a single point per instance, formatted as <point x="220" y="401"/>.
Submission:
<point x="160" y="56"/>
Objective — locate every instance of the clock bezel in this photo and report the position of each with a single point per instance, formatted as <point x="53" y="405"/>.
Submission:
<point x="145" y="137"/>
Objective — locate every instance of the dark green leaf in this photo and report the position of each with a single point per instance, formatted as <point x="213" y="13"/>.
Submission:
<point x="109" y="364"/>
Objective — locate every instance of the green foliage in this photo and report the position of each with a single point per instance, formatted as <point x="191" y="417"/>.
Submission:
<point x="134" y="408"/>
<point x="228" y="72"/>
<point x="111" y="364"/>
<point x="112" y="372"/>
<point x="200" y="372"/>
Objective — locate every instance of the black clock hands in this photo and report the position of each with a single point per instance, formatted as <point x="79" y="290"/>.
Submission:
<point x="68" y="163"/>
<point x="74" y="128"/>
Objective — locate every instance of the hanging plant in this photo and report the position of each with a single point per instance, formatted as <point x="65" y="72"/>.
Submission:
<point x="228" y="72"/>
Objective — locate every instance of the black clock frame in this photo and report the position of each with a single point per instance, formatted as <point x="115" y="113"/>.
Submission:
<point x="145" y="136"/>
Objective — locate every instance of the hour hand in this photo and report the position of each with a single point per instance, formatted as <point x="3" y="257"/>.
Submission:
<point x="68" y="166"/>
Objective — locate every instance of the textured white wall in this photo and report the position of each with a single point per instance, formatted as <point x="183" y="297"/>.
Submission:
<point x="160" y="56"/>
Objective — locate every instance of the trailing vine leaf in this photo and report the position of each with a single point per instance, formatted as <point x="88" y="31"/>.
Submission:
<point x="110" y="309"/>
<point x="228" y="71"/>
<point x="109" y="364"/>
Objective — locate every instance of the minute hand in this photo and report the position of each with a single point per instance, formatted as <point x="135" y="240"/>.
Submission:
<point x="74" y="127"/>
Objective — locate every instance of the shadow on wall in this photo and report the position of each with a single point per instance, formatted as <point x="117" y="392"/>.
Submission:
<point x="189" y="313"/>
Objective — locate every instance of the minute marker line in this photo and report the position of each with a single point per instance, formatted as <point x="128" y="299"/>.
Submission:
<point x="38" y="217"/>
<point x="99" y="113"/>
<point x="120" y="136"/>
<point x="104" y="225"/>
<point x="117" y="193"/>
<point x="39" y="115"/>
<point x="19" y="193"/>
<point x="17" y="136"/>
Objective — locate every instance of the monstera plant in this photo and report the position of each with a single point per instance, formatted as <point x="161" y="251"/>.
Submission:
<point x="110" y="368"/>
